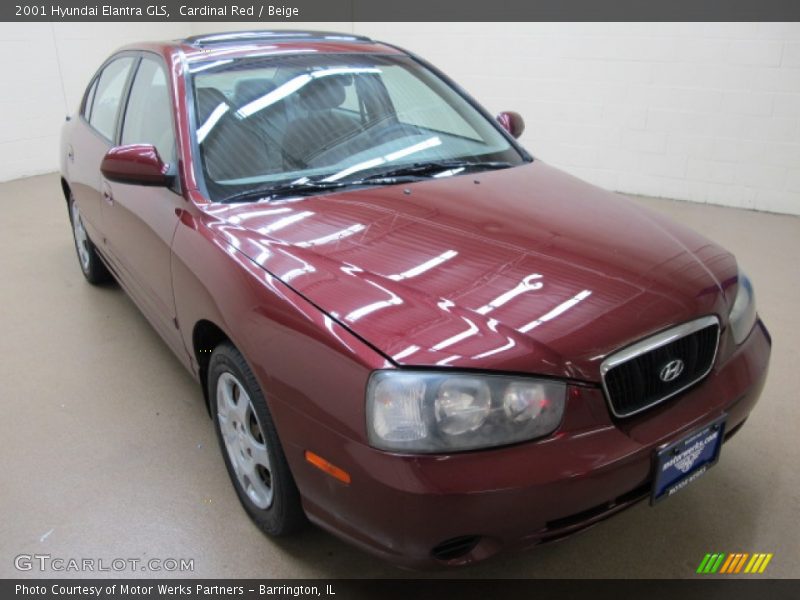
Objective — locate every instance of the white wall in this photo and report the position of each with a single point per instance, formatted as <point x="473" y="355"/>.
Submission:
<point x="45" y="68"/>
<point x="694" y="111"/>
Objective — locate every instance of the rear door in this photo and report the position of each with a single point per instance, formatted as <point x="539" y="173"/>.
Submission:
<point x="140" y="221"/>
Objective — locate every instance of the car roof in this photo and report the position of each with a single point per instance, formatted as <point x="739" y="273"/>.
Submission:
<point x="237" y="44"/>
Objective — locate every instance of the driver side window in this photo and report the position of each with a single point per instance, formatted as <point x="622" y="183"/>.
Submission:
<point x="106" y="96"/>
<point x="148" y="116"/>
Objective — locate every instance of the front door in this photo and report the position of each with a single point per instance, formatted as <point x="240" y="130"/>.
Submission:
<point x="140" y="221"/>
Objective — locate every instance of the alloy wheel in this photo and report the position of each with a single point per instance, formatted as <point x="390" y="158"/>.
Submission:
<point x="81" y="239"/>
<point x="244" y="440"/>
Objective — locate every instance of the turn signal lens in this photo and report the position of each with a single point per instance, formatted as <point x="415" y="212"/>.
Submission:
<point x="330" y="469"/>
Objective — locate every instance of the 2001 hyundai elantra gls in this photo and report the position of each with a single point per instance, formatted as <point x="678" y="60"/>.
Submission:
<point x="406" y="329"/>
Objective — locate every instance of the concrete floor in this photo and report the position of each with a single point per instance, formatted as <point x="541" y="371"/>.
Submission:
<point x="108" y="451"/>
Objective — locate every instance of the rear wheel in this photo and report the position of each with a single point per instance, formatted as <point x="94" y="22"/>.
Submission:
<point x="250" y="445"/>
<point x="91" y="266"/>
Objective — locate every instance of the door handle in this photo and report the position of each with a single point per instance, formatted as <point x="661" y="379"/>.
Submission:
<point x="107" y="194"/>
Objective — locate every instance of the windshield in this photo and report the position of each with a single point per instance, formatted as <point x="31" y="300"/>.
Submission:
<point x="336" y="119"/>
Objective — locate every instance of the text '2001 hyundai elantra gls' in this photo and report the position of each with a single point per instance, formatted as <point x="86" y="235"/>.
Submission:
<point x="406" y="329"/>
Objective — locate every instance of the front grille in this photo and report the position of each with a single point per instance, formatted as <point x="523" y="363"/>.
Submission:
<point x="648" y="372"/>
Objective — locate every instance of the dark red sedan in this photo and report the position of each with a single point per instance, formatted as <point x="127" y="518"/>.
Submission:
<point x="406" y="328"/>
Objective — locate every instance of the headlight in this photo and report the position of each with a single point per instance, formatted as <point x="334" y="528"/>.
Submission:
<point x="425" y="412"/>
<point x="743" y="314"/>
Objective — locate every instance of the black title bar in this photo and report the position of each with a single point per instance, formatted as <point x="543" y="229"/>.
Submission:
<point x="406" y="10"/>
<point x="407" y="589"/>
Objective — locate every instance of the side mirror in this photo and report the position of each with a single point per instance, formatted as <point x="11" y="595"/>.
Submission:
<point x="137" y="164"/>
<point x="512" y="122"/>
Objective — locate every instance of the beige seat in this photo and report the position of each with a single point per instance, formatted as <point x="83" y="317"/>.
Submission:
<point x="232" y="148"/>
<point x="272" y="120"/>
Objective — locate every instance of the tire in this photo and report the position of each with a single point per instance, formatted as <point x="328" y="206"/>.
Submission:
<point x="250" y="446"/>
<point x="90" y="263"/>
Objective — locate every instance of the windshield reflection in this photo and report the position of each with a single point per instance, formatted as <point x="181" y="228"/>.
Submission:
<point x="264" y="121"/>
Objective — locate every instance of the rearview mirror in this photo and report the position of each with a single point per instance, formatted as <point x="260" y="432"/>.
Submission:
<point x="512" y="122"/>
<point x="137" y="164"/>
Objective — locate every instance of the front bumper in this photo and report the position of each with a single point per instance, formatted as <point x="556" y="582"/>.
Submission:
<point x="427" y="511"/>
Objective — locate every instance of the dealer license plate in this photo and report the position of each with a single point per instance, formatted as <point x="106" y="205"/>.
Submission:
<point x="680" y="463"/>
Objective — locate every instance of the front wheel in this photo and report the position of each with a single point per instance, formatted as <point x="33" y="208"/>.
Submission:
<point x="91" y="266"/>
<point x="250" y="445"/>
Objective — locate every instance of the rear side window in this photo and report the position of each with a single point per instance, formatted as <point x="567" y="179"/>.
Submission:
<point x="107" y="96"/>
<point x="148" y="117"/>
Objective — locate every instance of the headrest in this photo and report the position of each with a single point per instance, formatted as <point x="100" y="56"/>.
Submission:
<point x="323" y="93"/>
<point x="208" y="99"/>
<point x="248" y="90"/>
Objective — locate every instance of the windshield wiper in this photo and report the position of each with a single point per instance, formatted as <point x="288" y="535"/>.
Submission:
<point x="429" y="168"/>
<point x="312" y="186"/>
<point x="285" y="189"/>
<point x="396" y="175"/>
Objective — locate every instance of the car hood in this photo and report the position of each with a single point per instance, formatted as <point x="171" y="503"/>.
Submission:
<point x="524" y="269"/>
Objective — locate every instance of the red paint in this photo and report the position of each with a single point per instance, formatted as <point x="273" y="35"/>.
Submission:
<point x="136" y="164"/>
<point x="544" y="274"/>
